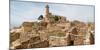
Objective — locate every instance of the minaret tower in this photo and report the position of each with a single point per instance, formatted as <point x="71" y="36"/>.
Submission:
<point x="47" y="14"/>
<point x="47" y="11"/>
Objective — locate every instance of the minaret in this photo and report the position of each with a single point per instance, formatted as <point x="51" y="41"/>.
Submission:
<point x="47" y="11"/>
<point x="47" y="14"/>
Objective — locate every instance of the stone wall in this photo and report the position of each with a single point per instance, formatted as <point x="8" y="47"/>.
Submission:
<point x="14" y="36"/>
<point x="27" y="26"/>
<point x="38" y="44"/>
<point x="79" y="40"/>
<point x="26" y="44"/>
<point x="57" y="41"/>
<point x="43" y="35"/>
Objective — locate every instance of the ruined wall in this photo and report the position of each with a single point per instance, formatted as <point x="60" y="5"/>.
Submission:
<point x="44" y="35"/>
<point x="38" y="44"/>
<point x="27" y="26"/>
<point x="14" y="36"/>
<point x="26" y="44"/>
<point x="79" y="40"/>
<point x="57" y="41"/>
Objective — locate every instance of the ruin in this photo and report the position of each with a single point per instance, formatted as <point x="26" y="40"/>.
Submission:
<point x="51" y="31"/>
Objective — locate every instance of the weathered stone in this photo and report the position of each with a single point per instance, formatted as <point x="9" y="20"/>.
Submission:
<point x="14" y="36"/>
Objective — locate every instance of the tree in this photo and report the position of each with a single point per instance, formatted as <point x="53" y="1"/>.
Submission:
<point x="40" y="17"/>
<point x="56" y="18"/>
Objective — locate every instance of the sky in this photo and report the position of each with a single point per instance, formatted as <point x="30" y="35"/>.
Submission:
<point x="21" y="11"/>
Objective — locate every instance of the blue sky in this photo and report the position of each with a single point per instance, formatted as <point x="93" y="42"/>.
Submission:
<point x="29" y="11"/>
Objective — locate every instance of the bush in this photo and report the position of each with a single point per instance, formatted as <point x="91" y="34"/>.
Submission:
<point x="56" y="18"/>
<point x="40" y="17"/>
